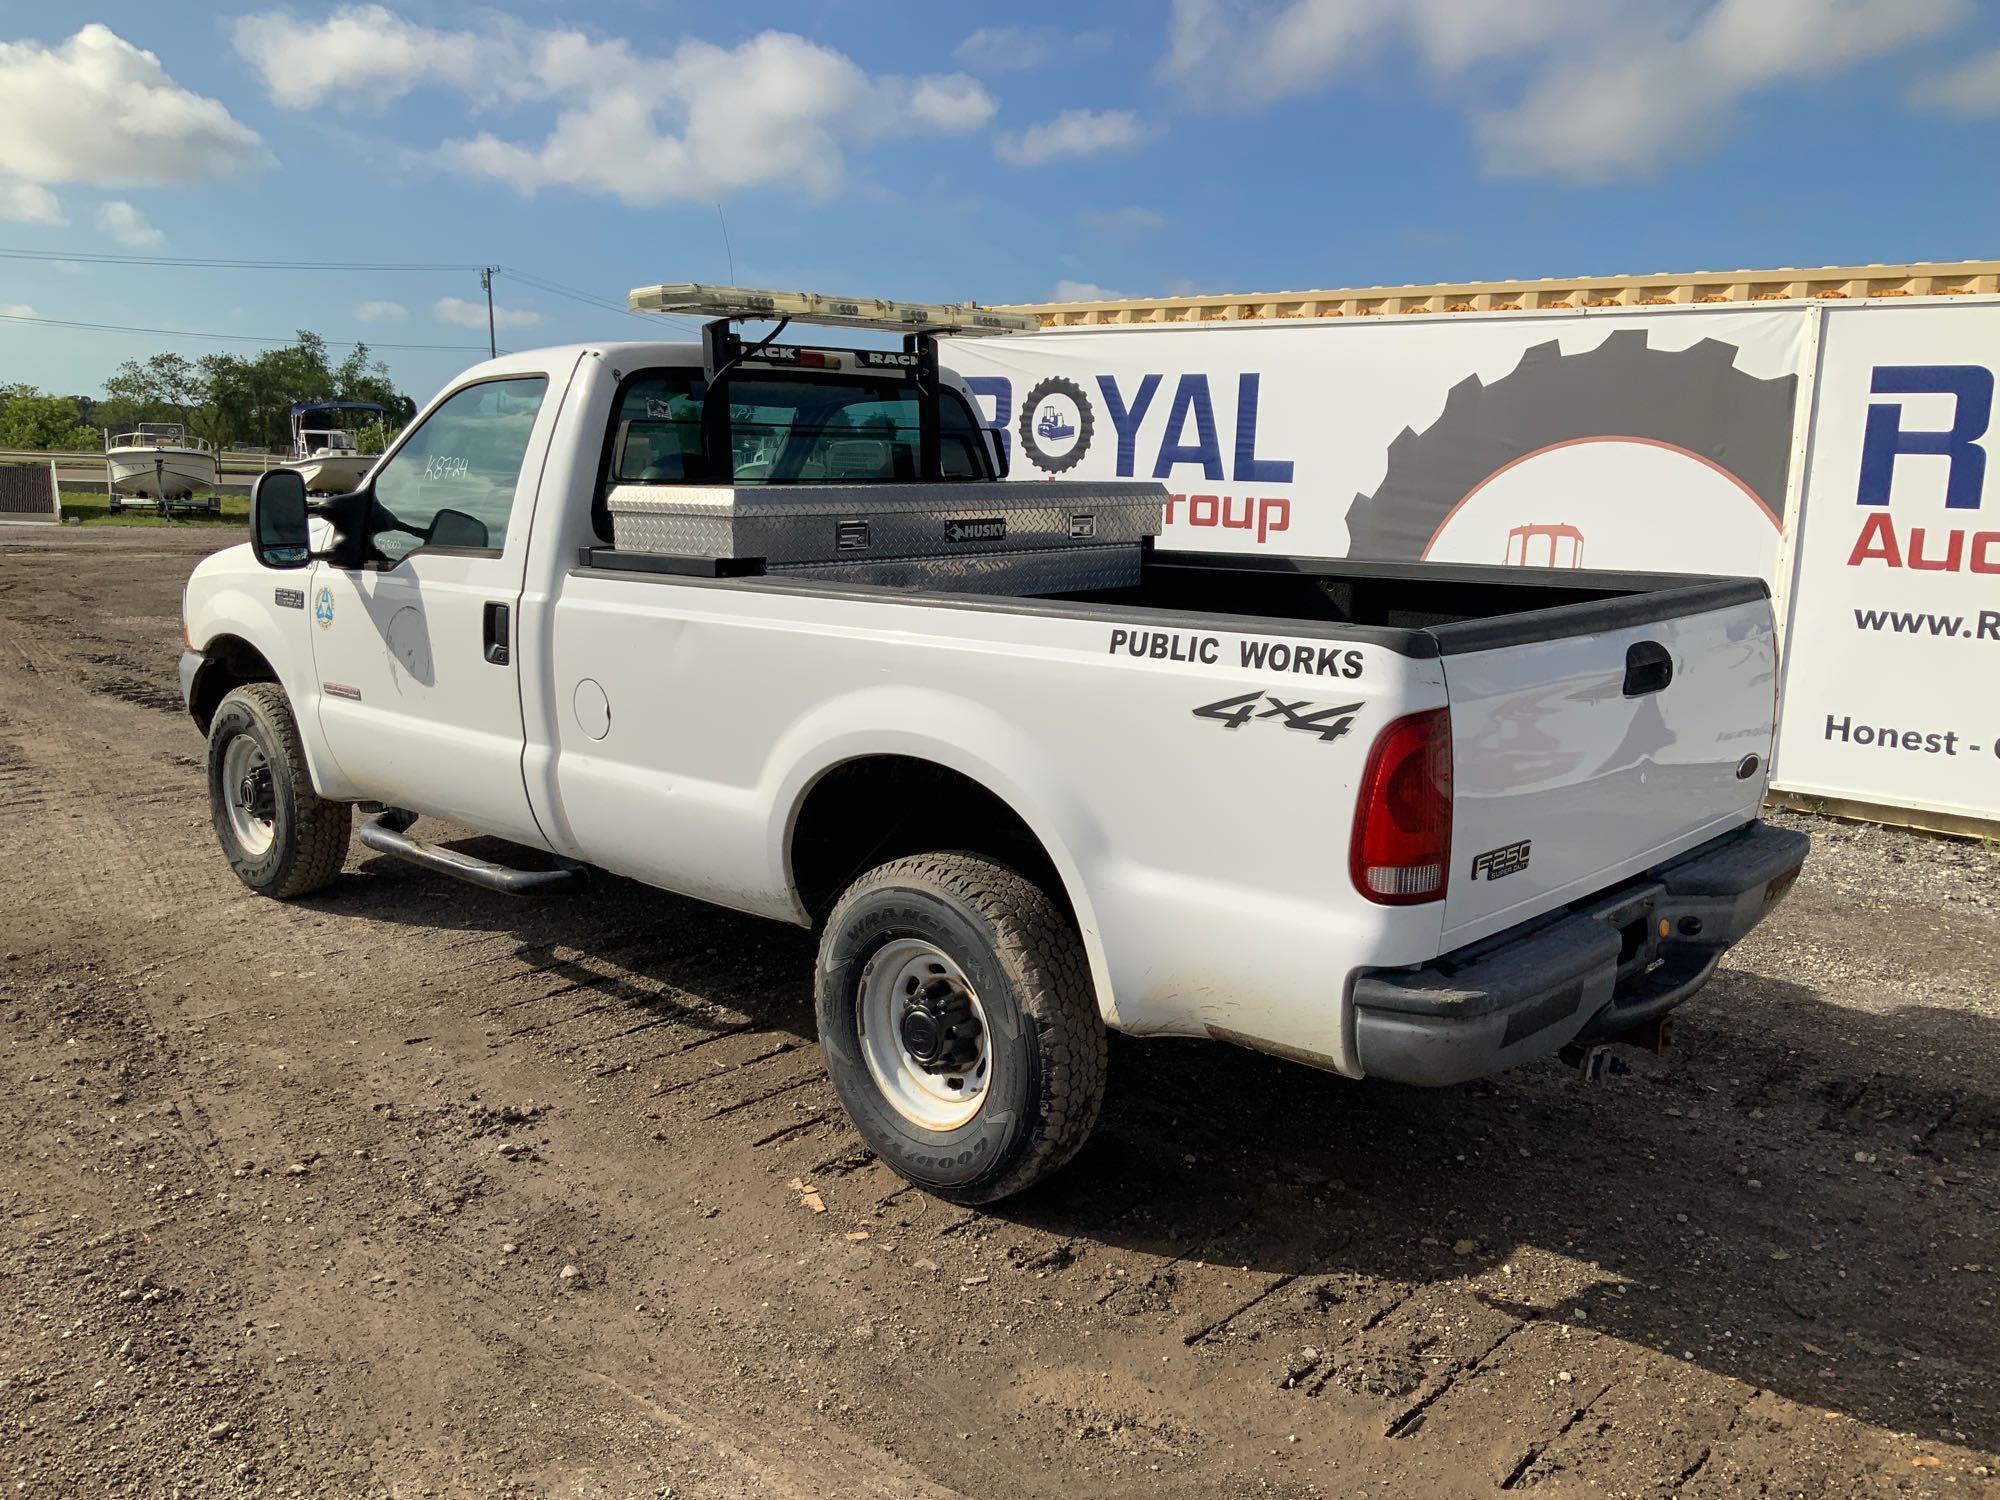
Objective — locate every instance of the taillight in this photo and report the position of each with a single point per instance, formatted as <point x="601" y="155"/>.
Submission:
<point x="1402" y="825"/>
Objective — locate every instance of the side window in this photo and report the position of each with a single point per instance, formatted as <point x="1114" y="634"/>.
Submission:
<point x="658" y="435"/>
<point x="452" y="483"/>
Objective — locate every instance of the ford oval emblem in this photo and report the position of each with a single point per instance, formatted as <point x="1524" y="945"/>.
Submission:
<point x="1747" y="767"/>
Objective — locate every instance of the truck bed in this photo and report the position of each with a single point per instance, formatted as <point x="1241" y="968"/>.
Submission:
<point x="1414" y="609"/>
<point x="1601" y="723"/>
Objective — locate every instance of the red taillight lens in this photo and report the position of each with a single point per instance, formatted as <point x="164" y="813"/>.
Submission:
<point x="1402" y="827"/>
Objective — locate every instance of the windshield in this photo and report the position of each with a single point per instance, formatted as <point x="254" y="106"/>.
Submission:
<point x="788" y="429"/>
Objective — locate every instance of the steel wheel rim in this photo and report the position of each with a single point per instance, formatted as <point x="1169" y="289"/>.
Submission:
<point x="248" y="796"/>
<point x="889" y="981"/>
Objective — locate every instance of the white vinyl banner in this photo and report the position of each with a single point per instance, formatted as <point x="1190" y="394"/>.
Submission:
<point x="1655" y="439"/>
<point x="1893" y="647"/>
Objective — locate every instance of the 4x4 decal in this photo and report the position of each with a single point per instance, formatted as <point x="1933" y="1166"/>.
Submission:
<point x="1291" y="713"/>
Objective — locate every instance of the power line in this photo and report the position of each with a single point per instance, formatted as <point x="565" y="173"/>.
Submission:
<point x="213" y="263"/>
<point x="605" y="304"/>
<point x="234" y="338"/>
<point x="540" y="283"/>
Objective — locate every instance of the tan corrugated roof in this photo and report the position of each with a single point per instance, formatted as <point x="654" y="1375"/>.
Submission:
<point x="1923" y="279"/>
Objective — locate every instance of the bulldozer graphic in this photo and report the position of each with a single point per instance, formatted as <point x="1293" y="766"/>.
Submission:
<point x="1051" y="425"/>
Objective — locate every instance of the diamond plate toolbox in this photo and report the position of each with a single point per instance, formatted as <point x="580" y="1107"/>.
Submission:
<point x="980" y="535"/>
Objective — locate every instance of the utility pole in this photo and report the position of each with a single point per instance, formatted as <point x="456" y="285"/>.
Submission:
<point x="486" y="281"/>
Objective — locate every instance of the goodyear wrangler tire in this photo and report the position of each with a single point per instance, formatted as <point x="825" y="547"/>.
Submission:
<point x="1694" y="399"/>
<point x="282" y="839"/>
<point x="960" y="1025"/>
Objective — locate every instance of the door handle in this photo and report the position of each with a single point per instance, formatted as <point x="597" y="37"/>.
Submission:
<point x="498" y="635"/>
<point x="1649" y="666"/>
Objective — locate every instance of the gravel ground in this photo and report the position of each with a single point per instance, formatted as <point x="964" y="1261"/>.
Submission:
<point x="407" y="1189"/>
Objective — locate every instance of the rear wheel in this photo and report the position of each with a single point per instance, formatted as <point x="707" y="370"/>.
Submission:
<point x="281" y="837"/>
<point x="960" y="1025"/>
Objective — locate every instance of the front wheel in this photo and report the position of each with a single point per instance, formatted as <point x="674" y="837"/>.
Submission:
<point x="960" y="1025"/>
<point x="282" y="838"/>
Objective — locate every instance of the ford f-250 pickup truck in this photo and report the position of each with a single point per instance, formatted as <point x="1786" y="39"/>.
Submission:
<point x="758" y="623"/>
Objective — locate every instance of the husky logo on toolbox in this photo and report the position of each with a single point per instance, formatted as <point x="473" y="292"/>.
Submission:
<point x="987" y="529"/>
<point x="1498" y="864"/>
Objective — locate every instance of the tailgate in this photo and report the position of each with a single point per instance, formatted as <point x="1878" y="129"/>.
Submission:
<point x="1580" y="759"/>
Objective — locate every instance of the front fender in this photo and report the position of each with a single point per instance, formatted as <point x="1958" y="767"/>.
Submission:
<point x="1007" y="762"/>
<point x="231" y="598"/>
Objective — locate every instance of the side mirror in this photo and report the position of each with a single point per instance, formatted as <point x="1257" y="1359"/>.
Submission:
<point x="996" y="445"/>
<point x="278" y="532"/>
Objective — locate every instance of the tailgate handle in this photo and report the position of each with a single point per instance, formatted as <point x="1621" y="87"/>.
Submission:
<point x="1649" y="666"/>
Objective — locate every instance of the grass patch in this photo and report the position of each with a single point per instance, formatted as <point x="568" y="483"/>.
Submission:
<point x="93" y="508"/>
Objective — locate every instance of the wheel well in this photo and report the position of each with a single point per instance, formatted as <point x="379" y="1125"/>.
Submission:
<point x="231" y="662"/>
<point x="866" y="812"/>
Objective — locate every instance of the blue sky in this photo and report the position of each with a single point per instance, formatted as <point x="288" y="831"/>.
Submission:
<point x="934" y="152"/>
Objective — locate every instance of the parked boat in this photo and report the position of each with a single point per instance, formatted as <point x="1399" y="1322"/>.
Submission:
<point x="157" y="463"/>
<point x="328" y="456"/>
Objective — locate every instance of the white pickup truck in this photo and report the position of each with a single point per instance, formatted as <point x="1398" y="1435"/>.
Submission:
<point x="744" y="621"/>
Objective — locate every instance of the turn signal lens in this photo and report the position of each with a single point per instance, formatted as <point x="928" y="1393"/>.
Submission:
<point x="1402" y="827"/>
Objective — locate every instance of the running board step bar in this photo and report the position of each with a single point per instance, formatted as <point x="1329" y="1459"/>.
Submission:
<point x="386" y="835"/>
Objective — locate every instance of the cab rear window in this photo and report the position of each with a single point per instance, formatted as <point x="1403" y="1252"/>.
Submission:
<point x="787" y="429"/>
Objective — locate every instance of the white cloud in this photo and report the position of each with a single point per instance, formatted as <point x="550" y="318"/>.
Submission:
<point x="1012" y="49"/>
<point x="364" y="56"/>
<point x="462" y="314"/>
<point x="1971" y="89"/>
<point x="1124" y="223"/>
<point x="1085" y="291"/>
<point x="1074" y="132"/>
<point x="100" y="111"/>
<point x="951" y="102"/>
<point x="1612" y="86"/>
<point x="127" y="225"/>
<point x="381" y="312"/>
<point x="28" y="203"/>
<point x="689" y="124"/>
<point x="17" y="310"/>
<point x="1644" y="98"/>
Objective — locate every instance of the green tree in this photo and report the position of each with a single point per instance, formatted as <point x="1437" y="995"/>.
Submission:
<point x="165" y="388"/>
<point x="229" y="398"/>
<point x="250" y="400"/>
<point x="29" y="419"/>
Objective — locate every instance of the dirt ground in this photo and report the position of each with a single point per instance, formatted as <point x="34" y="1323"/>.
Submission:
<point x="410" y="1190"/>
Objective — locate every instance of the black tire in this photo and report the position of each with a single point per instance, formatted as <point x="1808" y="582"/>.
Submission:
<point x="1022" y="957"/>
<point x="309" y="834"/>
<point x="1693" y="399"/>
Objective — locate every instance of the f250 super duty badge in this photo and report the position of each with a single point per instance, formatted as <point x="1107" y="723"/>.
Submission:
<point x="1498" y="864"/>
<point x="1310" y="718"/>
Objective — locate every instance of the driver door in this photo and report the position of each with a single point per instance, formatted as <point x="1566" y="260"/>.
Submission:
<point x="420" y="692"/>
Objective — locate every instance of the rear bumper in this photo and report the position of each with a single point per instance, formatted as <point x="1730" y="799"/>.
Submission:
<point x="1588" y="973"/>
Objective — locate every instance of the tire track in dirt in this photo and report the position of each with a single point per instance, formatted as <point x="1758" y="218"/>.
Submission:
<point x="1445" y="1259"/>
